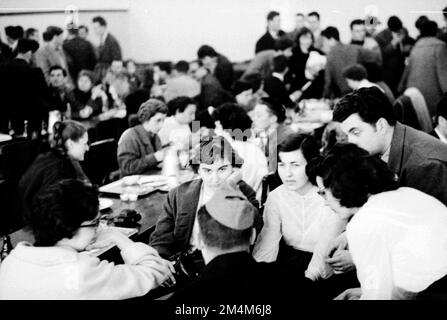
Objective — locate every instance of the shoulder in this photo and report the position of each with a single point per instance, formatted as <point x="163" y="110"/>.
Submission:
<point x="424" y="146"/>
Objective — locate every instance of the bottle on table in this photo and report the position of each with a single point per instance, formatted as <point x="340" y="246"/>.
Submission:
<point x="6" y="247"/>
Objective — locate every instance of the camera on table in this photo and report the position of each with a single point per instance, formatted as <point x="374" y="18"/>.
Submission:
<point x="187" y="265"/>
<point x="127" y="218"/>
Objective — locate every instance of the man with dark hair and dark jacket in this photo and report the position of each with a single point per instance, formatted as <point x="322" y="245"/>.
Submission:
<point x="267" y="41"/>
<point x="217" y="64"/>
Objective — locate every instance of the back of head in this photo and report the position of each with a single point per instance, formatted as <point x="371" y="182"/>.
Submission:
<point x="419" y="21"/>
<point x="100" y="20"/>
<point x="227" y="219"/>
<point x="331" y="33"/>
<point x="62" y="131"/>
<point x="179" y="104"/>
<point x="232" y="117"/>
<point x="182" y="66"/>
<point x="150" y="108"/>
<point x="370" y="104"/>
<point x="280" y="63"/>
<point x="164" y="66"/>
<point x="26" y="45"/>
<point x="206" y="51"/>
<point x="59" y="211"/>
<point x="14" y="32"/>
<point x="355" y="72"/>
<point x="394" y="24"/>
<point x="30" y="32"/>
<point x="353" y="175"/>
<point x="429" y="29"/>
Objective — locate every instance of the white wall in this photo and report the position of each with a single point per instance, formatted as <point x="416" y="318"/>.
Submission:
<point x="154" y="30"/>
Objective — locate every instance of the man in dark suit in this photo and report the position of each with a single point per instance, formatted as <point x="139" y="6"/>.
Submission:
<point x="274" y="85"/>
<point x="24" y="90"/>
<point x="267" y="41"/>
<point x="109" y="48"/>
<point x="218" y="65"/>
<point x="418" y="159"/>
<point x="231" y="274"/>
<point x="79" y="52"/>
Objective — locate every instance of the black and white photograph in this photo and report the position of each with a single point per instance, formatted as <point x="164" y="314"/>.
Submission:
<point x="223" y="158"/>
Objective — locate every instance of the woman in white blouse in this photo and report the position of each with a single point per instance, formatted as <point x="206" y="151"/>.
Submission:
<point x="397" y="236"/>
<point x="296" y="213"/>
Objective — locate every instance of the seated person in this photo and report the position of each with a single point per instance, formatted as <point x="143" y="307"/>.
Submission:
<point x="86" y="101"/>
<point x="68" y="146"/>
<point x="270" y="131"/>
<point x="226" y="231"/>
<point x="64" y="223"/>
<point x="177" y="228"/>
<point x="176" y="128"/>
<point x="297" y="214"/>
<point x="247" y="91"/>
<point x="397" y="236"/>
<point x="181" y="84"/>
<point x="233" y="123"/>
<point x="139" y="147"/>
<point x="59" y="90"/>
<point x="134" y="78"/>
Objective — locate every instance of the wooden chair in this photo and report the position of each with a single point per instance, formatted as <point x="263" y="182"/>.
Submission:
<point x="100" y="161"/>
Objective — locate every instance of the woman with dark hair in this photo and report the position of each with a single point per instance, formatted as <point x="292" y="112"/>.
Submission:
<point x="139" y="148"/>
<point x="64" y="223"/>
<point x="397" y="236"/>
<point x="233" y="123"/>
<point x="86" y="101"/>
<point x="176" y="231"/>
<point x="68" y="147"/>
<point x="296" y="213"/>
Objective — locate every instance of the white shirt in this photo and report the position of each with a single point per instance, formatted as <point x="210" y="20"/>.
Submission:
<point x="398" y="239"/>
<point x="440" y="135"/>
<point x="255" y="165"/>
<point x="174" y="132"/>
<point x="203" y="198"/>
<point x="304" y="222"/>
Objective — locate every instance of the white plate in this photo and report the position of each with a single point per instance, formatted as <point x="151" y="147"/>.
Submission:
<point x="105" y="203"/>
<point x="152" y="178"/>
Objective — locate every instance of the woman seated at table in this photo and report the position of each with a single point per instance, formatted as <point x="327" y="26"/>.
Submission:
<point x="86" y="101"/>
<point x="64" y="223"/>
<point x="233" y="123"/>
<point x="69" y="145"/>
<point x="139" y="148"/>
<point x="397" y="236"/>
<point x="215" y="161"/>
<point x="297" y="214"/>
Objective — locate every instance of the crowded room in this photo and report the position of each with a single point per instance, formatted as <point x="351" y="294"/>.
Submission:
<point x="202" y="152"/>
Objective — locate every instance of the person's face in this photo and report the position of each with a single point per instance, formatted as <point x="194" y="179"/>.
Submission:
<point x="291" y="169"/>
<point x="262" y="118"/>
<point x="131" y="67"/>
<point x="83" y="33"/>
<point x="156" y="122"/>
<point x="213" y="175"/>
<point x="275" y="24"/>
<point x="334" y="203"/>
<point x="84" y="83"/>
<point x="98" y="29"/>
<point x="209" y="62"/>
<point x="116" y="66"/>
<point x="57" y="78"/>
<point x="85" y="234"/>
<point x="188" y="115"/>
<point x="299" y="22"/>
<point x="313" y="23"/>
<point x="363" y="134"/>
<point x="327" y="44"/>
<point x="77" y="149"/>
<point x="305" y="41"/>
<point x="122" y="86"/>
<point x="358" y="32"/>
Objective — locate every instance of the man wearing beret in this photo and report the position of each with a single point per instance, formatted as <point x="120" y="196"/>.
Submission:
<point x="231" y="274"/>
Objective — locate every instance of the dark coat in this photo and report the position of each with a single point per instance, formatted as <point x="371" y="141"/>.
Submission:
<point x="48" y="169"/>
<point x="110" y="50"/>
<point x="80" y="55"/>
<point x="224" y="72"/>
<point x="420" y="161"/>
<point x="238" y="277"/>
<point x="267" y="42"/>
<point x="276" y="89"/>
<point x="136" y="149"/>
<point x="24" y="93"/>
<point x="175" y="224"/>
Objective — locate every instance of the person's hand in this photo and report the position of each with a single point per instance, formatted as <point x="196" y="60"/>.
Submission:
<point x="170" y="281"/>
<point x="341" y="261"/>
<point x="296" y="95"/>
<point x="350" y="294"/>
<point x="397" y="38"/>
<point x="86" y="112"/>
<point x="160" y="155"/>
<point x="370" y="43"/>
<point x="97" y="92"/>
<point x="234" y="178"/>
<point x="107" y="237"/>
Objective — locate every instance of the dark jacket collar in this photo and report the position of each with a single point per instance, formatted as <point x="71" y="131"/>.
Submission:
<point x="397" y="148"/>
<point x="144" y="136"/>
<point x="234" y="262"/>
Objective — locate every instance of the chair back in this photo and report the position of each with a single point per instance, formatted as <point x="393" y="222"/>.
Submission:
<point x="269" y="183"/>
<point x="100" y="160"/>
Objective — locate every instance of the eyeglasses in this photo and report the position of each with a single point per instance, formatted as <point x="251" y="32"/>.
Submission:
<point x="94" y="224"/>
